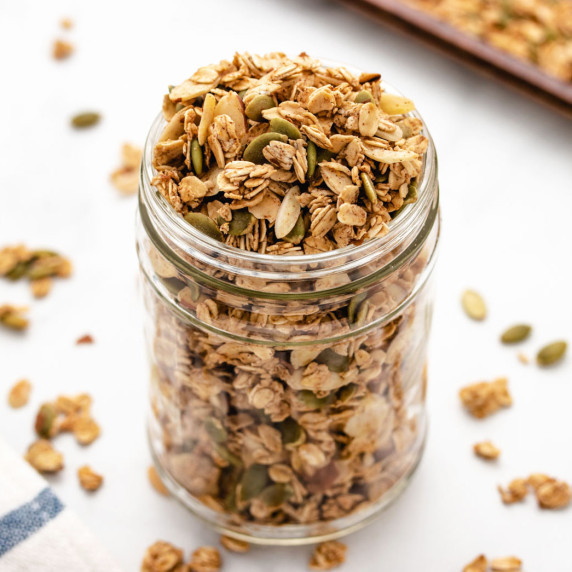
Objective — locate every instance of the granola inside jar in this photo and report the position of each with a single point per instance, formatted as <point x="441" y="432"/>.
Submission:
<point x="288" y="375"/>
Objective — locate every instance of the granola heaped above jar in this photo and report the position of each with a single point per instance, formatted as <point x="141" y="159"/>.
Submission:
<point x="283" y="155"/>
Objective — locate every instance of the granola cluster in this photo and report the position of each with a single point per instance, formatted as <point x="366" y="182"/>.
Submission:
<point x="283" y="155"/>
<point x="536" y="31"/>
<point x="164" y="557"/>
<point x="502" y="564"/>
<point x="485" y="398"/>
<point x="550" y="492"/>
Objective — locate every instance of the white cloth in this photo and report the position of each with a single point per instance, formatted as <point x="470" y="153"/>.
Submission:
<point x="37" y="532"/>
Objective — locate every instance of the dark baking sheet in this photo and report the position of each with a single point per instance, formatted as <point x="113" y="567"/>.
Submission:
<point x="523" y="76"/>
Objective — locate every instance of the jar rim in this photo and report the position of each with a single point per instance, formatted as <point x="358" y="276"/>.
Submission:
<point x="279" y="267"/>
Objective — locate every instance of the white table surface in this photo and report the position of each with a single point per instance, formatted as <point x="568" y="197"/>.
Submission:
<point x="506" y="173"/>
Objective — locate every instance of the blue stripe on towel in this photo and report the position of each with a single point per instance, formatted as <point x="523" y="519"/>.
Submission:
<point x="22" y="522"/>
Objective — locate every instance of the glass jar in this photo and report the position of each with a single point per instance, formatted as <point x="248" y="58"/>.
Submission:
<point x="287" y="392"/>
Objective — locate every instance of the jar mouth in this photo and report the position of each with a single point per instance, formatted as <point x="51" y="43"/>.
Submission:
<point x="277" y="267"/>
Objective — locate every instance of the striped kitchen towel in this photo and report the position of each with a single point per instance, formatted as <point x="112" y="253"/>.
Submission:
<point x="37" y="532"/>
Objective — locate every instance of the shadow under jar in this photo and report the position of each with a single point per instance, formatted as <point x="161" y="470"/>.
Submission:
<point x="287" y="392"/>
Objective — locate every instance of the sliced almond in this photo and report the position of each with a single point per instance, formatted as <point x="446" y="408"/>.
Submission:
<point x="334" y="179"/>
<point x="388" y="156"/>
<point x="368" y="119"/>
<point x="207" y="117"/>
<point x="288" y="213"/>
<point x="233" y="106"/>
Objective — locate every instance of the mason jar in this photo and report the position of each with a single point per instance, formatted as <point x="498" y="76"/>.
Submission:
<point x="287" y="392"/>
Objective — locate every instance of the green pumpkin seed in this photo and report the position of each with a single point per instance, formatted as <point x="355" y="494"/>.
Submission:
<point x="324" y="155"/>
<point x="346" y="393"/>
<point x="276" y="495"/>
<point x="253" y="481"/>
<point x="551" y="353"/>
<point x="361" y="314"/>
<point x="474" y="305"/>
<point x="226" y="455"/>
<point x="369" y="188"/>
<point x="309" y="399"/>
<point x="197" y="157"/>
<point x="173" y="285"/>
<point x="19" y="271"/>
<point x="335" y="362"/>
<point x="45" y="420"/>
<point x="253" y="151"/>
<point x="354" y="305"/>
<point x="255" y="108"/>
<point x="242" y="93"/>
<point x="83" y="120"/>
<point x="241" y="222"/>
<point x="292" y="433"/>
<point x="516" y="334"/>
<point x="363" y="96"/>
<point x="311" y="157"/>
<point x="296" y="235"/>
<point x="279" y="125"/>
<point x="411" y="193"/>
<point x="204" y="224"/>
<point x="215" y="430"/>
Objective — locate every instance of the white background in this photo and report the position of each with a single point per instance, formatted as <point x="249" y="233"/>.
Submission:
<point x="505" y="173"/>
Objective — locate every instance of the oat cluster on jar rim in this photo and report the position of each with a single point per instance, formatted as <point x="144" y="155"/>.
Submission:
<point x="287" y="230"/>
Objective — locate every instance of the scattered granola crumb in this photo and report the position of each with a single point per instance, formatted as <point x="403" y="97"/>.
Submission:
<point x="41" y="286"/>
<point x="506" y="564"/>
<point x="156" y="481"/>
<point x="44" y="458"/>
<point x="205" y="559"/>
<point x="12" y="317"/>
<point x="88" y="479"/>
<point x="162" y="557"/>
<point x="523" y="358"/>
<point x="515" y="492"/>
<point x="19" y="394"/>
<point x="86" y="430"/>
<point x="126" y="178"/>
<point x="86" y="339"/>
<point x="486" y="450"/>
<point x="328" y="555"/>
<point x="66" y="23"/>
<point x="479" y="564"/>
<point x="484" y="398"/>
<point x="62" y="50"/>
<point x="234" y="545"/>
<point x="553" y="494"/>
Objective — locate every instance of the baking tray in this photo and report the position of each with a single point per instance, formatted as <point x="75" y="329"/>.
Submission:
<point x="522" y="76"/>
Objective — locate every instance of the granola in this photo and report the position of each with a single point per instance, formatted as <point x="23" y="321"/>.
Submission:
<point x="126" y="178"/>
<point x="274" y="153"/>
<point x="205" y="559"/>
<point x="85" y="339"/>
<point x="19" y="394"/>
<point x="62" y="50"/>
<point x="550" y="492"/>
<point x="156" y="481"/>
<point x="328" y="555"/>
<point x="502" y="564"/>
<point x="44" y="458"/>
<point x="38" y="266"/>
<point x="535" y="31"/>
<point x="479" y="564"/>
<point x="89" y="479"/>
<point x="234" y="545"/>
<point x="162" y="557"/>
<point x="486" y="450"/>
<point x="515" y="492"/>
<point x="13" y="317"/>
<point x="485" y="398"/>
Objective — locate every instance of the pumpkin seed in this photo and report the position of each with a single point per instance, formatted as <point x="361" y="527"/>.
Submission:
<point x="253" y="481"/>
<point x="363" y="96"/>
<point x="346" y="393"/>
<point x="395" y="104"/>
<point x="309" y="399"/>
<point x="241" y="222"/>
<point x="174" y="285"/>
<point x="288" y="213"/>
<point x="474" y="305"/>
<point x="226" y="455"/>
<point x="242" y="93"/>
<point x="255" y="108"/>
<point x="292" y="433"/>
<point x="362" y="314"/>
<point x="354" y="305"/>
<point x="215" y="430"/>
<point x="551" y="353"/>
<point x="411" y="193"/>
<point x="335" y="362"/>
<point x="253" y="151"/>
<point x="369" y="188"/>
<point x="19" y="271"/>
<point x="324" y="155"/>
<point x="516" y="334"/>
<point x="279" y="125"/>
<point x="276" y="495"/>
<point x="311" y="157"/>
<point x="87" y="119"/>
<point x="296" y="235"/>
<point x="197" y="157"/>
<point x="45" y="420"/>
<point x="204" y="224"/>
